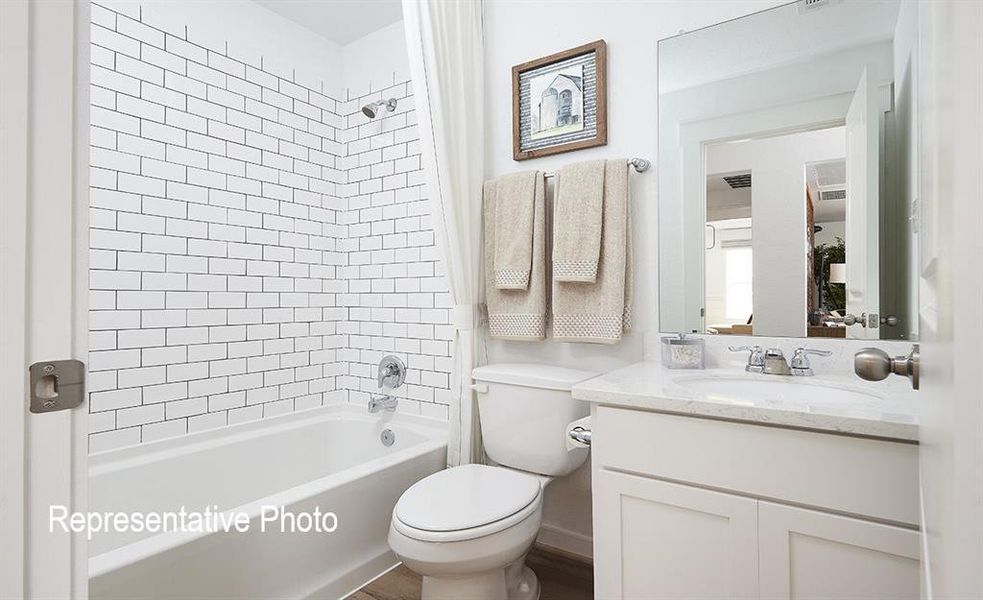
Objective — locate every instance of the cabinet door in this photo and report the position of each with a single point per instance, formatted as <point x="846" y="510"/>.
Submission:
<point x="654" y="539"/>
<point x="807" y="554"/>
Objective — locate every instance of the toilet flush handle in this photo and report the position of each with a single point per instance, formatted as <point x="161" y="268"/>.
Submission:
<point x="481" y="388"/>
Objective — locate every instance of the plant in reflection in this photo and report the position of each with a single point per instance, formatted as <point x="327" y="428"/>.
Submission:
<point x="833" y="294"/>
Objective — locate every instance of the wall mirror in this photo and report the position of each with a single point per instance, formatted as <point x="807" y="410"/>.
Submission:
<point x="788" y="173"/>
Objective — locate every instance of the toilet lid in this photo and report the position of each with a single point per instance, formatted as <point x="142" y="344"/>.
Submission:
<point x="465" y="497"/>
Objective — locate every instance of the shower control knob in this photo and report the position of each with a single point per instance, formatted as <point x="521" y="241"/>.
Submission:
<point x="890" y="320"/>
<point x="392" y="372"/>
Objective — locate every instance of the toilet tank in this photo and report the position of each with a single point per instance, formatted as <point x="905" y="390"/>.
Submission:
<point x="524" y="411"/>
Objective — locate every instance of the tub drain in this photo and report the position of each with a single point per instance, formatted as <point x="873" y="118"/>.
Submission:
<point x="388" y="437"/>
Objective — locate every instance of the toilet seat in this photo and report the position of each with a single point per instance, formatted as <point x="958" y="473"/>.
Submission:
<point x="466" y="502"/>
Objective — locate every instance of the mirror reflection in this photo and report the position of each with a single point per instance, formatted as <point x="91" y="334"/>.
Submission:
<point x="788" y="174"/>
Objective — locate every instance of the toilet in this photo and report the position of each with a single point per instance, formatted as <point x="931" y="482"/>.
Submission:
<point x="467" y="529"/>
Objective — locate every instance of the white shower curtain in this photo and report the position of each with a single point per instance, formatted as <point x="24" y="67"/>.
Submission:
<point x="444" y="42"/>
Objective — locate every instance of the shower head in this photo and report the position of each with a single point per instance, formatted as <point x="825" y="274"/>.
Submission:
<point x="372" y="109"/>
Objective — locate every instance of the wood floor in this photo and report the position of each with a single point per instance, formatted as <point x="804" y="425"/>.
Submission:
<point x="561" y="577"/>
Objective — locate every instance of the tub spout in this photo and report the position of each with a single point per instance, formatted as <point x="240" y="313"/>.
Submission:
<point x="379" y="403"/>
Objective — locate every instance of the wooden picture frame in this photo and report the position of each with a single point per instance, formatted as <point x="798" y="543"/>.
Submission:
<point x="546" y="122"/>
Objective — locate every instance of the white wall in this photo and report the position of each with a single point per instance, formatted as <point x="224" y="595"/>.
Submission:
<point x="251" y="34"/>
<point x="375" y="61"/>
<point x="514" y="33"/>
<point x="729" y="230"/>
<point x="831" y="231"/>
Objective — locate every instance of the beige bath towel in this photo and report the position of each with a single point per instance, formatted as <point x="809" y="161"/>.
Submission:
<point x="515" y="199"/>
<point x="516" y="314"/>
<point x="577" y="223"/>
<point x="600" y="312"/>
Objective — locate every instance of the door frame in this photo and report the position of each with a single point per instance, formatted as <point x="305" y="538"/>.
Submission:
<point x="44" y="303"/>
<point x="950" y="106"/>
<point x="13" y="257"/>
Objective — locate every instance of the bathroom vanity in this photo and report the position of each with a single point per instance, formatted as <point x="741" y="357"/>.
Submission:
<point x="807" y="490"/>
<point x="788" y="171"/>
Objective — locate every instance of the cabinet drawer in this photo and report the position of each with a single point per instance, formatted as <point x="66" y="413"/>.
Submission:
<point x="865" y="477"/>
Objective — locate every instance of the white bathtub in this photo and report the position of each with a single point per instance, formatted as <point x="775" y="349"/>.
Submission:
<point x="329" y="458"/>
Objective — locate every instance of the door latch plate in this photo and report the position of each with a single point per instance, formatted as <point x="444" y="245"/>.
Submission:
<point x="57" y="385"/>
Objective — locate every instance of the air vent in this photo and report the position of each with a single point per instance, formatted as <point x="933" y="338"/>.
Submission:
<point x="738" y="181"/>
<point x="810" y="5"/>
<point x="833" y="195"/>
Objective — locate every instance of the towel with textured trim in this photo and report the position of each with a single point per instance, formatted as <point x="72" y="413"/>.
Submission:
<point x="516" y="314"/>
<point x="577" y="215"/>
<point x="600" y="312"/>
<point x="514" y="216"/>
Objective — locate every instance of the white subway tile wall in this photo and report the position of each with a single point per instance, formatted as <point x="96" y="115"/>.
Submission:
<point x="256" y="245"/>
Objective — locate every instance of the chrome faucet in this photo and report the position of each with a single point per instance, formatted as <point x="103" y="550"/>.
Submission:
<point x="772" y="361"/>
<point x="380" y="403"/>
<point x="775" y="363"/>
<point x="800" y="361"/>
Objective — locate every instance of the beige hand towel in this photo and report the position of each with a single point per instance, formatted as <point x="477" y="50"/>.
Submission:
<point x="577" y="221"/>
<point x="600" y="312"/>
<point x="514" y="212"/>
<point x="516" y="314"/>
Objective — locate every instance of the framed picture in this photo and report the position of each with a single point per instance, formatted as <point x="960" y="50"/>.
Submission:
<point x="559" y="102"/>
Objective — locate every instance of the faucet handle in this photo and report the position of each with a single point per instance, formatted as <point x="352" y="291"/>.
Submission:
<point x="800" y="360"/>
<point x="392" y="372"/>
<point x="755" y="359"/>
<point x="805" y="351"/>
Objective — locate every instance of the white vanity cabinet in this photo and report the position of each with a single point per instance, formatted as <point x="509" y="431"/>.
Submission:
<point x="654" y="539"/>
<point x="813" y="554"/>
<point x="688" y="507"/>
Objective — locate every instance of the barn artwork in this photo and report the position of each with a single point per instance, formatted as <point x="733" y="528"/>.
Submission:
<point x="559" y="102"/>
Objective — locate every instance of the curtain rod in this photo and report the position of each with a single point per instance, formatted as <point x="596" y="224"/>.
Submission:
<point x="640" y="164"/>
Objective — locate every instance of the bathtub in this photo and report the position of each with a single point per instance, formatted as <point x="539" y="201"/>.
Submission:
<point x="330" y="459"/>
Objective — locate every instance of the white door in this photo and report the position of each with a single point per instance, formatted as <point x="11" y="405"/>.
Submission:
<point x="806" y="554"/>
<point x="950" y="98"/>
<point x="659" y="540"/>
<point x="44" y="119"/>
<point x="862" y="206"/>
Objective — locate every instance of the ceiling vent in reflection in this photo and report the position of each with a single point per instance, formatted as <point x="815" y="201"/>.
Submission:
<point x="810" y="5"/>
<point x="737" y="182"/>
<point x="832" y="195"/>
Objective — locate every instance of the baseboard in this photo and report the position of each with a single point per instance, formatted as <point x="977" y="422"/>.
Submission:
<point x="566" y="541"/>
<point x="348" y="583"/>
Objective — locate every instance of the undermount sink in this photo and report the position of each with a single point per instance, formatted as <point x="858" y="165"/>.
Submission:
<point x="773" y="389"/>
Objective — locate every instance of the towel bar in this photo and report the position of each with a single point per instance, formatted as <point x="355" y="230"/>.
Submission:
<point x="641" y="165"/>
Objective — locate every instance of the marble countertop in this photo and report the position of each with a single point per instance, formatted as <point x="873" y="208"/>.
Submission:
<point x="884" y="412"/>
